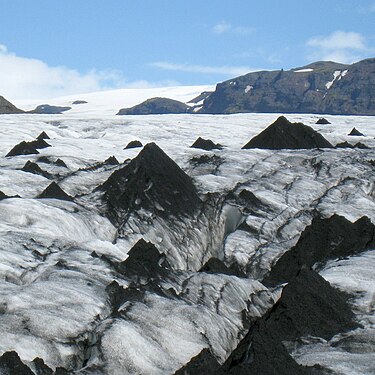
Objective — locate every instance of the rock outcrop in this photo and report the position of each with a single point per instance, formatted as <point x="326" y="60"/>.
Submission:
<point x="54" y="191"/>
<point x="215" y="266"/>
<point x="308" y="306"/>
<point x="152" y="181"/>
<point x="46" y="109"/>
<point x="348" y="145"/>
<point x="283" y="134"/>
<point x="156" y="106"/>
<point x="356" y="132"/>
<point x="203" y="363"/>
<point x="133" y="144"/>
<point x="28" y="148"/>
<point x="206" y="144"/>
<point x="43" y="135"/>
<point x="322" y="121"/>
<point x="323" y="240"/>
<point x="23" y="148"/>
<point x="7" y="107"/>
<point x="79" y="102"/>
<point x="34" y="168"/>
<point x="11" y="364"/>
<point x="144" y="262"/>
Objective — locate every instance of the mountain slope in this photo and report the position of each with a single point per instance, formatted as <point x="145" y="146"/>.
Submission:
<point x="7" y="107"/>
<point x="321" y="87"/>
<point x="156" y="106"/>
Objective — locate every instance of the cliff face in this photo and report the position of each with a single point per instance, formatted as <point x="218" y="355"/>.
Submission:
<point x="321" y="87"/>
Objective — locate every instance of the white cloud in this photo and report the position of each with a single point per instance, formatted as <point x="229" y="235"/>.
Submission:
<point x="144" y="84"/>
<point x="225" y="27"/>
<point x="26" y="78"/>
<point x="222" y="28"/>
<point x="340" y="46"/>
<point x="339" y="40"/>
<point x="203" y="69"/>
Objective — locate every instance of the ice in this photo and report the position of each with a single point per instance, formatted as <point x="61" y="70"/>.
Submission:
<point x="55" y="255"/>
<point x="177" y="330"/>
<point x="54" y="219"/>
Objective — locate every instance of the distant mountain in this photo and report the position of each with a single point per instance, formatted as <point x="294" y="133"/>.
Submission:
<point x="47" y="109"/>
<point x="320" y="87"/>
<point x="7" y="107"/>
<point x="156" y="106"/>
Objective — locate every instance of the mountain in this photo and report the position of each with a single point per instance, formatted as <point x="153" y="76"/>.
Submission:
<point x="320" y="87"/>
<point x="156" y="106"/>
<point x="46" y="109"/>
<point x="7" y="107"/>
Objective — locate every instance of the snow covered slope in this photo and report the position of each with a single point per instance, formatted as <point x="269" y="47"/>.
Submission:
<point x="109" y="102"/>
<point x="67" y="295"/>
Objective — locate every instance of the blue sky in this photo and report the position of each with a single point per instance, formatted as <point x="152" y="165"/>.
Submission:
<point x="51" y="47"/>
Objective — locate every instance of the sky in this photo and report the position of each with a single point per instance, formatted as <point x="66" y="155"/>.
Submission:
<point x="50" y="48"/>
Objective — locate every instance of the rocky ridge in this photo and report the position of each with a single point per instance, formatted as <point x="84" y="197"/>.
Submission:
<point x="321" y="87"/>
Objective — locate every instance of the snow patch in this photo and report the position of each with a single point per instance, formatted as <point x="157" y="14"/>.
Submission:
<point x="248" y="89"/>
<point x="304" y="70"/>
<point x="336" y="76"/>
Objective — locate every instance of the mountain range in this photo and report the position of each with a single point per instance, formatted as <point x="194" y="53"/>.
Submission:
<point x="323" y="87"/>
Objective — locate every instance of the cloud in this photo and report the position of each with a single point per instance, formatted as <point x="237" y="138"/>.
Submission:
<point x="144" y="84"/>
<point x="225" y="27"/>
<point x="203" y="69"/>
<point x="339" y="40"/>
<point x="27" y="78"/>
<point x="221" y="28"/>
<point x="340" y="46"/>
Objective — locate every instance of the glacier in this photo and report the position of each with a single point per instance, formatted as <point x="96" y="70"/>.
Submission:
<point x="63" y="295"/>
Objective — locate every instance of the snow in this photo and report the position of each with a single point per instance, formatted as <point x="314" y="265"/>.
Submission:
<point x="306" y="70"/>
<point x="177" y="331"/>
<point x="46" y="263"/>
<point x="110" y="102"/>
<point x="248" y="89"/>
<point x="336" y="76"/>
